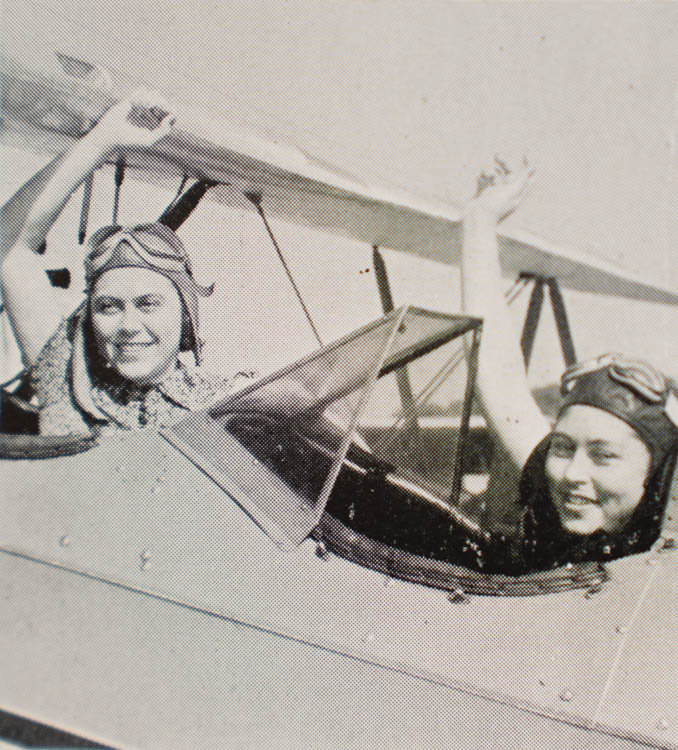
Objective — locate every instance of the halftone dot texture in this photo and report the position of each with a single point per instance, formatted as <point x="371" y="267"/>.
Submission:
<point x="285" y="649"/>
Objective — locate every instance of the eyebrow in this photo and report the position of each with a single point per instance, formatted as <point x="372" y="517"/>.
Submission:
<point x="598" y="443"/>
<point x="604" y="443"/>
<point x="150" y="297"/>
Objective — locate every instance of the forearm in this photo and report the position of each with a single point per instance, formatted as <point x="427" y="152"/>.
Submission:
<point x="13" y="213"/>
<point x="32" y="211"/>
<point x="483" y="290"/>
<point x="507" y="403"/>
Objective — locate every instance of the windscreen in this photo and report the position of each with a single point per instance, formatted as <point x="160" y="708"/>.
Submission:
<point x="277" y="446"/>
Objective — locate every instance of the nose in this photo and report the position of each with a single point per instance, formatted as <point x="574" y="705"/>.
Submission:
<point x="576" y="470"/>
<point x="129" y="321"/>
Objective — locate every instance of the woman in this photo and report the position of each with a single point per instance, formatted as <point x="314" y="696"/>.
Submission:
<point x="114" y="363"/>
<point x="595" y="484"/>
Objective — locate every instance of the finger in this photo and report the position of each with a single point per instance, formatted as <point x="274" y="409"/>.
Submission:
<point x="484" y="180"/>
<point x="501" y="166"/>
<point x="525" y="186"/>
<point x="148" y="99"/>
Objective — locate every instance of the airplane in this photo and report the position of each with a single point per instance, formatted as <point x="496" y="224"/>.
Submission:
<point x="194" y="588"/>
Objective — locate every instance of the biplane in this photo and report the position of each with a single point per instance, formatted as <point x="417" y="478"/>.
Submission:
<point x="244" y="579"/>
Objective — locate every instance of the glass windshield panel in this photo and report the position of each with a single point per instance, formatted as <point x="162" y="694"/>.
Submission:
<point x="278" y="445"/>
<point x="414" y="417"/>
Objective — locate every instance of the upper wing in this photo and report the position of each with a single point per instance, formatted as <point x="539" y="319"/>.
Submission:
<point x="43" y="111"/>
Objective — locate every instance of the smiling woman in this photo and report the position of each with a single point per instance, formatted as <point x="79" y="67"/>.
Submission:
<point x="595" y="485"/>
<point x="115" y="362"/>
<point x="136" y="320"/>
<point x="596" y="469"/>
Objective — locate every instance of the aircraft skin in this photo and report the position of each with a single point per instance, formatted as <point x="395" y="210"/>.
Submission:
<point x="143" y="607"/>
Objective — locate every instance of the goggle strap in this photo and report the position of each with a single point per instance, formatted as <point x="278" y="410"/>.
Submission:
<point x="671" y="408"/>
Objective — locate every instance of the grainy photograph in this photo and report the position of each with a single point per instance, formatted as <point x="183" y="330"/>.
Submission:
<point x="339" y="374"/>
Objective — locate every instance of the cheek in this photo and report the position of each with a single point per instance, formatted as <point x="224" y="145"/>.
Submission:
<point x="554" y="468"/>
<point x="167" y="326"/>
<point x="624" y="487"/>
<point x="103" y="326"/>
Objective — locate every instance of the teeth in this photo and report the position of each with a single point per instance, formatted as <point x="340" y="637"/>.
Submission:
<point x="576" y="500"/>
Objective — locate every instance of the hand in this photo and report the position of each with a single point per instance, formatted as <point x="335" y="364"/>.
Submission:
<point x="139" y="120"/>
<point x="501" y="192"/>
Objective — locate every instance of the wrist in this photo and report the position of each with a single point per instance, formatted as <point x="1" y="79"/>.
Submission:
<point x="99" y="144"/>
<point x="476" y="213"/>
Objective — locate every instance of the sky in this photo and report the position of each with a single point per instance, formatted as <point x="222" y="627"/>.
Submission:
<point x="422" y="94"/>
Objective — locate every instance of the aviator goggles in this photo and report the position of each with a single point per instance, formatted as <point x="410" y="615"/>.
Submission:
<point x="154" y="245"/>
<point x="637" y="376"/>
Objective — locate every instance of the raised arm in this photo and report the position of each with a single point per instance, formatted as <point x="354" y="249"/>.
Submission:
<point x="27" y="217"/>
<point x="505" y="398"/>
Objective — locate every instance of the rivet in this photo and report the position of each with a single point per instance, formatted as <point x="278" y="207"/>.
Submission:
<point x="621" y="629"/>
<point x="321" y="551"/>
<point x="65" y="541"/>
<point x="663" y="724"/>
<point x="566" y="696"/>
<point x="458" y="596"/>
<point x="594" y="588"/>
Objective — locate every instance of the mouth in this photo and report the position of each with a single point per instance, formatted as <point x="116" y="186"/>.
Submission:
<point x="127" y="349"/>
<point x="574" y="501"/>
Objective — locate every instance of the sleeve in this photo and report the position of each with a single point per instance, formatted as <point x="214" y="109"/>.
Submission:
<point x="49" y="374"/>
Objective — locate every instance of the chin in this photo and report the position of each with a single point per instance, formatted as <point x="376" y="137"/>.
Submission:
<point x="584" y="526"/>
<point x="139" y="374"/>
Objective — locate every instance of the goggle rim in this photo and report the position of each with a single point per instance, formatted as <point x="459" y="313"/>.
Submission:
<point x="113" y="237"/>
<point x="639" y="377"/>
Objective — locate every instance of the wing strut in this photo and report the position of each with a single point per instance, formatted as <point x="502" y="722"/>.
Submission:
<point x="462" y="440"/>
<point x="185" y="203"/>
<point x="255" y="200"/>
<point x="562" y="323"/>
<point x="84" y="210"/>
<point x="559" y="313"/>
<point x="119" y="179"/>
<point x="532" y="320"/>
<point x="402" y="377"/>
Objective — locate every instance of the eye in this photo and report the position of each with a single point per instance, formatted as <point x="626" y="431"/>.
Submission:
<point x="561" y="447"/>
<point x="149" y="303"/>
<point x="602" y="455"/>
<point x="106" y="306"/>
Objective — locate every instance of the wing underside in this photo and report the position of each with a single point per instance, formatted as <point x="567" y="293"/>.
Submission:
<point x="44" y="111"/>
